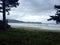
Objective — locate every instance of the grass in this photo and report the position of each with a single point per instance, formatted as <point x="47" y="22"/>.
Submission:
<point x="25" y="37"/>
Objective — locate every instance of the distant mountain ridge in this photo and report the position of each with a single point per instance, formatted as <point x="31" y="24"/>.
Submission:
<point x="16" y="21"/>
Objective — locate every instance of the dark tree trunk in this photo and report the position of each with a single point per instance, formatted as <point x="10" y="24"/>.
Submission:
<point x="4" y="16"/>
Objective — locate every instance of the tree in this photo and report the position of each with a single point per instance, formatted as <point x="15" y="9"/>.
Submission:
<point x="57" y="15"/>
<point x="9" y="4"/>
<point x="6" y="7"/>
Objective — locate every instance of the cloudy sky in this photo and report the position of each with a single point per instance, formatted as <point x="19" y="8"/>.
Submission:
<point x="33" y="10"/>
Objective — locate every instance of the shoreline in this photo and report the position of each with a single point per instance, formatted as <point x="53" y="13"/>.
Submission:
<point x="36" y="29"/>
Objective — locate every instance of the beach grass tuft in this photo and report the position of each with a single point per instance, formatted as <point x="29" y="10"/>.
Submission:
<point x="16" y="36"/>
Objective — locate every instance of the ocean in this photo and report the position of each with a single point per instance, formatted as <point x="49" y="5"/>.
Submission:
<point x="50" y="26"/>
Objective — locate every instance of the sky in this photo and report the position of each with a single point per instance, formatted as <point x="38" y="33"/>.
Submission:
<point x="33" y="10"/>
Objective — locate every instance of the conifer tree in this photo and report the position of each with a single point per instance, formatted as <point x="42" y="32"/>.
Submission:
<point x="57" y="15"/>
<point x="6" y="6"/>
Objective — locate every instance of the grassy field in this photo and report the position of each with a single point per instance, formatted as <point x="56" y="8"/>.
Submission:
<point x="25" y="37"/>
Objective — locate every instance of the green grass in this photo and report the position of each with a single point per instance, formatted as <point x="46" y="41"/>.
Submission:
<point x="25" y="37"/>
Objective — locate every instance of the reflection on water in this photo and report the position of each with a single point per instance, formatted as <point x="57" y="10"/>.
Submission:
<point x="43" y="26"/>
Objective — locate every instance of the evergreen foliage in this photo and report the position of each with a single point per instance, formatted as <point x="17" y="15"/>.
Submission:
<point x="5" y="6"/>
<point x="57" y="15"/>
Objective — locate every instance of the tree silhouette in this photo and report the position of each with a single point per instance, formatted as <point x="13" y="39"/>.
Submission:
<point x="57" y="15"/>
<point x="6" y="6"/>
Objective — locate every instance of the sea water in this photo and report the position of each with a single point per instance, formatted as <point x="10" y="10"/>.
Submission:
<point x="41" y="26"/>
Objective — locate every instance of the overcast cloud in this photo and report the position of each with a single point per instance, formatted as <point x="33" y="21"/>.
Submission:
<point x="33" y="10"/>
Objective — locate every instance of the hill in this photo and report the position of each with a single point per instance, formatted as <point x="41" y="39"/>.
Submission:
<point x="16" y="21"/>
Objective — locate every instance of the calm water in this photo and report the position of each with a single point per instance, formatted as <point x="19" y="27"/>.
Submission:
<point x="42" y="26"/>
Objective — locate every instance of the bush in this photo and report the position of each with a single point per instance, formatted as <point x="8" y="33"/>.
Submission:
<point x="2" y="25"/>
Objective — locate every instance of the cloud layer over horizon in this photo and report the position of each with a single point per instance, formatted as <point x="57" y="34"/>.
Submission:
<point x="33" y="10"/>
